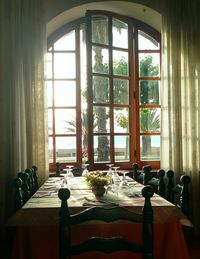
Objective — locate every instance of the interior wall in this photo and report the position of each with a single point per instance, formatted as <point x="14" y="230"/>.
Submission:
<point x="58" y="6"/>
<point x="62" y="11"/>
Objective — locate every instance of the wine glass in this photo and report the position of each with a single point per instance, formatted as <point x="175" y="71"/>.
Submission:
<point x="110" y="173"/>
<point x="69" y="175"/>
<point x="124" y="181"/>
<point x="115" y="174"/>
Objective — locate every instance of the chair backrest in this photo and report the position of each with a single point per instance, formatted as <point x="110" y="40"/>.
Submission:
<point x="109" y="215"/>
<point x="25" y="185"/>
<point x="18" y="194"/>
<point x="161" y="183"/>
<point x="77" y="171"/>
<point x="170" y="186"/>
<point x="181" y="192"/>
<point x="35" y="177"/>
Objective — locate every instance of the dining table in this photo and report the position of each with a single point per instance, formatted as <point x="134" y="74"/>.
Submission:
<point x="36" y="223"/>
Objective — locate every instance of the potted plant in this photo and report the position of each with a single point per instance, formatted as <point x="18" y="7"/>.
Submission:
<point x="97" y="181"/>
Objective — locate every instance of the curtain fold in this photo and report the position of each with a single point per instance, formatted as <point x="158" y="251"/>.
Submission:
<point x="180" y="132"/>
<point x="23" y="138"/>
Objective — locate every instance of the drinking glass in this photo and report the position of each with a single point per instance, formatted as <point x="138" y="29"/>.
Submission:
<point x="110" y="173"/>
<point x="124" y="181"/>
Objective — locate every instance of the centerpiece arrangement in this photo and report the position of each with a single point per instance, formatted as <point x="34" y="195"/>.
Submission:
<point x="97" y="181"/>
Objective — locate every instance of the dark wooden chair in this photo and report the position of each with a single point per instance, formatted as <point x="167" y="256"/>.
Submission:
<point x="170" y="186"/>
<point x="77" y="171"/>
<point x="35" y="177"/>
<point x="161" y="183"/>
<point x="25" y="185"/>
<point x="18" y="194"/>
<point x="137" y="176"/>
<point x="182" y="197"/>
<point x="58" y="171"/>
<point x="109" y="215"/>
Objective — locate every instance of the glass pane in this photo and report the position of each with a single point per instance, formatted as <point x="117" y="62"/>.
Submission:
<point x="150" y="148"/>
<point x="101" y="117"/>
<point x="66" y="149"/>
<point x="49" y="94"/>
<point x="100" y="60"/>
<point x="65" y="93"/>
<point x="50" y="121"/>
<point x="150" y="120"/>
<point x="67" y="42"/>
<point x="120" y="63"/>
<point x="64" y="65"/>
<point x="100" y="29"/>
<point x="121" y="91"/>
<point x="83" y="59"/>
<point x="120" y="33"/>
<point x="121" y="120"/>
<point x="150" y="92"/>
<point x="50" y="150"/>
<point x="149" y="64"/>
<point x="49" y="65"/>
<point x="121" y="148"/>
<point x="101" y="148"/>
<point x="101" y="89"/>
<point x="65" y="121"/>
<point x="146" y="42"/>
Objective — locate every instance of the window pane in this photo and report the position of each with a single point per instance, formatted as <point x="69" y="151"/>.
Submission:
<point x="149" y="120"/>
<point x="50" y="150"/>
<point x="101" y="119"/>
<point x="149" y="92"/>
<point x="150" y="148"/>
<point x="66" y="149"/>
<point x="121" y="91"/>
<point x="149" y="64"/>
<point x="121" y="148"/>
<point x="49" y="93"/>
<point x="100" y="29"/>
<point x="49" y="65"/>
<point x="121" y="120"/>
<point x="64" y="65"/>
<point x="120" y="63"/>
<point x="101" y="89"/>
<point x="146" y="42"/>
<point x="120" y="33"/>
<point x="50" y="121"/>
<point x="100" y="60"/>
<point x="101" y="148"/>
<point x="67" y="42"/>
<point x="65" y="93"/>
<point x="65" y="121"/>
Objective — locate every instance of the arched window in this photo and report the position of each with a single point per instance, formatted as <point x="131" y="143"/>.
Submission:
<point x="104" y="92"/>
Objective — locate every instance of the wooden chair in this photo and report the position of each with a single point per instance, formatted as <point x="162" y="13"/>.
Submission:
<point x="18" y="194"/>
<point x="77" y="171"/>
<point x="182" y="197"/>
<point x="25" y="185"/>
<point x="161" y="183"/>
<point x="170" y="186"/>
<point x="35" y="177"/>
<point x="109" y="215"/>
<point x="137" y="176"/>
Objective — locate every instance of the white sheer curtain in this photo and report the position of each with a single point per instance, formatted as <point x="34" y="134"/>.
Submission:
<point x="23" y="137"/>
<point x="180" y="140"/>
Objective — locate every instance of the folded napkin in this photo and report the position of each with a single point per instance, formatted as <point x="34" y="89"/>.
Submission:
<point x="99" y="204"/>
<point x="90" y="202"/>
<point x="40" y="194"/>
